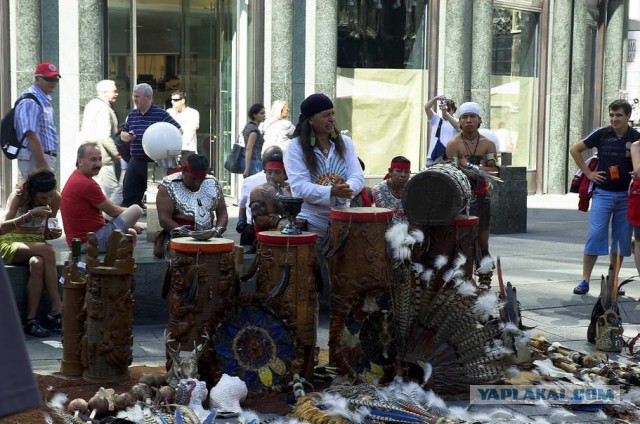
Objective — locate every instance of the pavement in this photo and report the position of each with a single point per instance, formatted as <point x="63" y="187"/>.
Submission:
<point x="544" y="264"/>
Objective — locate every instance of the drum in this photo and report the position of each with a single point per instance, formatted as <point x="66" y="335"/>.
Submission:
<point x="202" y="288"/>
<point x="459" y="237"/>
<point x="361" y="327"/>
<point x="287" y="283"/>
<point x="437" y="195"/>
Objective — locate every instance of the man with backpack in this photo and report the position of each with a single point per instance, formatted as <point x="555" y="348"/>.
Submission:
<point x="34" y="122"/>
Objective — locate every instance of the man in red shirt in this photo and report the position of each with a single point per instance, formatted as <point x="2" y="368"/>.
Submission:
<point x="83" y="203"/>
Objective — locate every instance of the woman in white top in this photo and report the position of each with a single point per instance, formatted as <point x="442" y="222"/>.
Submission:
<point x="277" y="128"/>
<point x="23" y="235"/>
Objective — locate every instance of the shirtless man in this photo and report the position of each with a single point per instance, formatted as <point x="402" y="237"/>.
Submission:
<point x="475" y="151"/>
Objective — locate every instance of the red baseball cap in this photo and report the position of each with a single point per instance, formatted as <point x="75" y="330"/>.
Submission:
<point x="47" y="69"/>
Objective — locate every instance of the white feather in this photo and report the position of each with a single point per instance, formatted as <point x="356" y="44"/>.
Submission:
<point x="512" y="372"/>
<point x="427" y="275"/>
<point x="466" y="288"/>
<point x="48" y="419"/>
<point x="58" y="400"/>
<point x="247" y="416"/>
<point x="441" y="260"/>
<point x="561" y="415"/>
<point x="408" y="240"/>
<point x="459" y="261"/>
<point x="402" y="253"/>
<point x="133" y="413"/>
<point x="395" y="235"/>
<point x="337" y="405"/>
<point x="451" y="274"/>
<point x="417" y="234"/>
<point x="500" y="415"/>
<point x="486" y="265"/>
<point x="485" y="306"/>
<point x="418" y="268"/>
<point x="510" y="327"/>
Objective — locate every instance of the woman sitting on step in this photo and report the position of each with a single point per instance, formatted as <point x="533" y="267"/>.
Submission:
<point x="23" y="235"/>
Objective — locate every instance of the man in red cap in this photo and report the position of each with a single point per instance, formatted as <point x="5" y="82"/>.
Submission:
<point x="35" y="122"/>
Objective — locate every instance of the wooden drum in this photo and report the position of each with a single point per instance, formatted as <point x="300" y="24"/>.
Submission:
<point x="361" y="326"/>
<point x="286" y="281"/>
<point x="202" y="288"/>
<point x="459" y="237"/>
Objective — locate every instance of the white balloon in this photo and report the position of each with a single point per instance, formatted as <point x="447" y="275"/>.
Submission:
<point x="161" y="141"/>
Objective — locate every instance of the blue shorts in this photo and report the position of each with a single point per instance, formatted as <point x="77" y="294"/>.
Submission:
<point x="608" y="207"/>
<point x="103" y="233"/>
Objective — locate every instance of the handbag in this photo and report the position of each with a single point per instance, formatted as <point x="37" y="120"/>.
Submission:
<point x="233" y="162"/>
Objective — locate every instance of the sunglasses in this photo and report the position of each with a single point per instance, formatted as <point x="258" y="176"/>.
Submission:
<point x="49" y="79"/>
<point x="177" y="100"/>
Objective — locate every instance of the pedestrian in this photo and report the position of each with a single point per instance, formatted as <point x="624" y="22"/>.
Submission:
<point x="35" y="121"/>
<point x="83" y="204"/>
<point x="189" y="120"/>
<point x="277" y="128"/>
<point x="100" y="124"/>
<point x="609" y="202"/>
<point x="142" y="117"/>
<point x="267" y="211"/>
<point x="253" y="141"/>
<point x="23" y="241"/>
<point x="442" y="128"/>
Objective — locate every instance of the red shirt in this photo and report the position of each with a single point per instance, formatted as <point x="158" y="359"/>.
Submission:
<point x="80" y="216"/>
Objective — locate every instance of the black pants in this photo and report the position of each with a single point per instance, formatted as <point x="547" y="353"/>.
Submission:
<point x="135" y="182"/>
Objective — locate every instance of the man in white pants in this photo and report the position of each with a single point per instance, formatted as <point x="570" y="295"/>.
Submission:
<point x="99" y="124"/>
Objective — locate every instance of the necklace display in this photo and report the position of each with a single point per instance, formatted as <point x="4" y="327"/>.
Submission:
<point x="324" y="150"/>
<point x="471" y="141"/>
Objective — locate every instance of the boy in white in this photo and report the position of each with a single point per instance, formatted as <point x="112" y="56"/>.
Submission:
<point x="189" y="120"/>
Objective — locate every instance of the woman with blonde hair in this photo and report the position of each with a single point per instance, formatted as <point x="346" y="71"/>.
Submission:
<point x="23" y="235"/>
<point x="277" y="128"/>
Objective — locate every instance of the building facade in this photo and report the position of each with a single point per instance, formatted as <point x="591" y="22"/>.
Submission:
<point x="543" y="71"/>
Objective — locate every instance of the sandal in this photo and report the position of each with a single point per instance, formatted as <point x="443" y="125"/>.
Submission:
<point x="33" y="328"/>
<point x="53" y="322"/>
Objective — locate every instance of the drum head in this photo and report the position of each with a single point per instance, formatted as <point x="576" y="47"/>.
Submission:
<point x="436" y="196"/>
<point x="363" y="214"/>
<point x="276" y="237"/>
<point x="190" y="245"/>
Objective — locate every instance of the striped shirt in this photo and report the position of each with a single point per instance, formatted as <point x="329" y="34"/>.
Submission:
<point x="30" y="116"/>
<point x="138" y="123"/>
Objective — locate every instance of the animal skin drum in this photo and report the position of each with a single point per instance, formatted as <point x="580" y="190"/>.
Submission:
<point x="437" y="195"/>
<point x="202" y="287"/>
<point x="459" y="237"/>
<point x="361" y="327"/>
<point x="286" y="279"/>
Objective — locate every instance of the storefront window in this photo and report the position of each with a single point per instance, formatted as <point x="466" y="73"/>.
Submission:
<point x="381" y="68"/>
<point x="514" y="83"/>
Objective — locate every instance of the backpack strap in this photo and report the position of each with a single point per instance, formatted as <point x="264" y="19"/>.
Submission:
<point x="439" y="127"/>
<point x="26" y="96"/>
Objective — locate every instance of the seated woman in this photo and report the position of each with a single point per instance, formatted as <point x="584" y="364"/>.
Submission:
<point x="266" y="210"/>
<point x="388" y="193"/>
<point x="192" y="197"/>
<point x="23" y="235"/>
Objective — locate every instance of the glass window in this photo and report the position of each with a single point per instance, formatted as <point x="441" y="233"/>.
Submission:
<point x="514" y="83"/>
<point x="381" y="67"/>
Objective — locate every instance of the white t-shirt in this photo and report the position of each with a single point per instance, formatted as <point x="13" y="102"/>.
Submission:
<point x="447" y="132"/>
<point x="248" y="185"/>
<point x="189" y="120"/>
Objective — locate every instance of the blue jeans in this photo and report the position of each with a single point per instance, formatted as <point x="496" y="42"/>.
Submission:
<point x="254" y="168"/>
<point x="608" y="207"/>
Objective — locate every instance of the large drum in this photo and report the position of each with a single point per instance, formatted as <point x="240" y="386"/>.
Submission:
<point x="361" y="326"/>
<point x="437" y="195"/>
<point x="287" y="283"/>
<point x="202" y="276"/>
<point x="459" y="237"/>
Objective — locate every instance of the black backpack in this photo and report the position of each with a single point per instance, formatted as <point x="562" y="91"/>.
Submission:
<point x="11" y="145"/>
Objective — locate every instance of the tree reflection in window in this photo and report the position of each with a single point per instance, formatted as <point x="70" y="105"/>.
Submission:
<point x="381" y="34"/>
<point x="515" y="42"/>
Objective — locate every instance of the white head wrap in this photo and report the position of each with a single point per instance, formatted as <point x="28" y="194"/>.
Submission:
<point x="469" y="107"/>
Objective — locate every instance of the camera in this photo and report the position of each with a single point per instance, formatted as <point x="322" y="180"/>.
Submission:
<point x="442" y="102"/>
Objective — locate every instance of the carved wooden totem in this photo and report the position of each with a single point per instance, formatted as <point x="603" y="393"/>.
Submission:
<point x="73" y="319"/>
<point x="107" y="343"/>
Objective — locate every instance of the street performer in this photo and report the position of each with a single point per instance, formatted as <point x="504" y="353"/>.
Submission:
<point x="475" y="152"/>
<point x="266" y="210"/>
<point x="191" y="198"/>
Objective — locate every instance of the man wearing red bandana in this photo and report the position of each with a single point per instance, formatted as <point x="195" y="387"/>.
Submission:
<point x="388" y="193"/>
<point x="83" y="203"/>
<point x="193" y="198"/>
<point x="266" y="210"/>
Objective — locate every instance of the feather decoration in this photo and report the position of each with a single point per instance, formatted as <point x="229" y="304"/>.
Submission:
<point x="426" y="275"/>
<point x="485" y="306"/>
<point x="417" y="234"/>
<point x="58" y="400"/>
<point x="486" y="265"/>
<point x="440" y="261"/>
<point x="460" y="261"/>
<point x="466" y="288"/>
